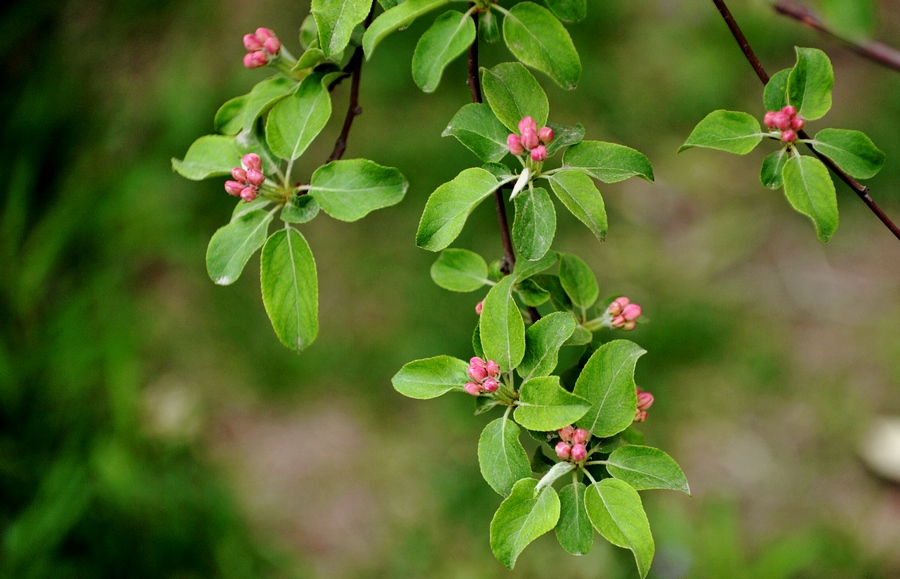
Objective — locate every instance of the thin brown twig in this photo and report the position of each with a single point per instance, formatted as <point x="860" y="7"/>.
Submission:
<point x="861" y="190"/>
<point x="875" y="51"/>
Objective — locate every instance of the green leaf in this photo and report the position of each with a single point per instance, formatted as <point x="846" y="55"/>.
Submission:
<point x="459" y="270"/>
<point x="730" y="131"/>
<point x="501" y="456"/>
<point x="450" y="205"/>
<point x="242" y="208"/>
<point x="582" y="198"/>
<point x="574" y="530"/>
<point x="498" y="170"/>
<point x="309" y="32"/>
<point x="568" y="10"/>
<point x="809" y="189"/>
<point x="531" y="293"/>
<point x="579" y="337"/>
<point x="772" y="173"/>
<point x="558" y="470"/>
<point x="295" y="121"/>
<point x="502" y="327"/>
<point x="264" y="96"/>
<point x="476" y="341"/>
<point x="543" y="339"/>
<point x="564" y="136"/>
<point x="336" y="20"/>
<point x="431" y="377"/>
<point x="607" y="382"/>
<point x="810" y="83"/>
<point x="852" y="151"/>
<point x="534" y="225"/>
<point x="775" y="95"/>
<point x="232" y="246"/>
<point x="558" y="296"/>
<point x="300" y="209"/>
<point x="311" y="58"/>
<point x="513" y="94"/>
<point x="534" y="36"/>
<point x="525" y="268"/>
<point x="616" y="511"/>
<point x="476" y="127"/>
<point x="522" y="518"/>
<point x="644" y="468"/>
<point x="608" y="162"/>
<point x="209" y="156"/>
<point x="395" y="18"/>
<point x="545" y="406"/>
<point x="349" y="190"/>
<point x="449" y="36"/>
<point x="578" y="280"/>
<point x="489" y="27"/>
<point x="230" y="116"/>
<point x="290" y="288"/>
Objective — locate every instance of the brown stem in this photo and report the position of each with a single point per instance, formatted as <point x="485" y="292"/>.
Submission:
<point x="861" y="190"/>
<point x="874" y="51"/>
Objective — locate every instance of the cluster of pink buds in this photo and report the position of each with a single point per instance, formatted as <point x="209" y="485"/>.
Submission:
<point x="483" y="375"/>
<point x="261" y="47"/>
<point x="572" y="446"/>
<point x="530" y="139"/>
<point x="248" y="178"/>
<point x="479" y="306"/>
<point x="787" y="121"/>
<point x="624" y="313"/>
<point x="645" y="401"/>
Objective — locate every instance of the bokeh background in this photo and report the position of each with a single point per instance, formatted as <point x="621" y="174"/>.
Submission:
<point x="151" y="425"/>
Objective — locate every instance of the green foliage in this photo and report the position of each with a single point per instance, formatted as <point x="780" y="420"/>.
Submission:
<point x="210" y="156"/>
<point x="449" y="36"/>
<point x="395" y="18"/>
<point x="522" y="518"/>
<point x="290" y="288"/>
<point x="852" y="151"/>
<point x="729" y="131"/>
<point x="502" y="458"/>
<point x="810" y="83"/>
<point x="450" y="205"/>
<point x="545" y="406"/>
<point x="476" y="127"/>
<point x="608" y="162"/>
<point x="644" y="467"/>
<point x="502" y="327"/>
<point x="772" y="172"/>
<point x="616" y="511"/>
<point x="574" y="530"/>
<point x="459" y="270"/>
<point x="430" y="378"/>
<point x="350" y="190"/>
<point x="298" y="119"/>
<point x="539" y="40"/>
<point x="534" y="225"/>
<point x="581" y="197"/>
<point x="810" y="191"/>
<point x="232" y="245"/>
<point x="543" y="339"/>
<point x="513" y="94"/>
<point x="336" y="20"/>
<point x="607" y="382"/>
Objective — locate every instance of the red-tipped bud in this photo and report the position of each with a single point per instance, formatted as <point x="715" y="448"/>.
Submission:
<point x="644" y="400"/>
<point x="264" y="34"/>
<point x="234" y="188"/>
<point x="563" y="450"/>
<point x="618" y="321"/>
<point x="272" y="45"/>
<point x="514" y="142"/>
<point x="529" y="138"/>
<point x="782" y="121"/>
<point x="789" y="111"/>
<point x="539" y="153"/>
<point x="798" y="123"/>
<point x="477" y="372"/>
<point x="618" y="305"/>
<point x="252" y="43"/>
<point x="255" y="177"/>
<point x="473" y="389"/>
<point x="580" y="436"/>
<point x="493" y="368"/>
<point x="629" y="325"/>
<point x="579" y="452"/>
<point x="640" y="415"/>
<point x="239" y="174"/>
<point x="769" y="119"/>
<point x="566" y="433"/>
<point x="479" y="306"/>
<point x="476" y="361"/>
<point x="248" y="194"/>
<point x="256" y="59"/>
<point x="545" y="135"/>
<point x="252" y="161"/>
<point x="527" y="123"/>
<point x="490" y="385"/>
<point x="788" y="136"/>
<point x="631" y="312"/>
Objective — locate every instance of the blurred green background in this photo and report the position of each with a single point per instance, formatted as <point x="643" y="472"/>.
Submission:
<point x="151" y="425"/>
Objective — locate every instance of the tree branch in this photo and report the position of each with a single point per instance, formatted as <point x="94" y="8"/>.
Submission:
<point x="861" y="190"/>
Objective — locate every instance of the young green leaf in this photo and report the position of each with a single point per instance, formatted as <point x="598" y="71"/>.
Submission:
<point x="459" y="270"/>
<point x="336" y="20"/>
<point x="531" y="293"/>
<point x="730" y="131"/>
<point x="558" y="296"/>
<point x="230" y="116"/>
<point x="809" y="189"/>
<point x="574" y="530"/>
<point x="616" y="511"/>
<point x="534" y="225"/>
<point x="810" y="83"/>
<point x="564" y="136"/>
<point x="534" y="35"/>
<point x="579" y="337"/>
<point x="450" y="205"/>
<point x="489" y="26"/>
<point x="209" y="156"/>
<point x="553" y="474"/>
<point x="772" y="173"/>
<point x="395" y="18"/>
<point x="265" y="95"/>
<point x="608" y="162"/>
<point x="513" y="94"/>
<point x="349" y="190"/>
<point x="545" y="406"/>
<point x="295" y="121"/>
<point x="431" y="377"/>
<point x="543" y="339"/>
<point x="311" y="58"/>
<point x="476" y="127"/>
<point x="242" y="208"/>
<point x="232" y="246"/>
<point x="578" y="280"/>
<point x="300" y="209"/>
<point x="290" y="288"/>
<point x="522" y="518"/>
<point x="309" y="32"/>
<point x="525" y="268"/>
<point x="449" y="36"/>
<point x="502" y="327"/>
<point x="501" y="456"/>
<point x="852" y="151"/>
<point x="644" y="467"/>
<point x="582" y="198"/>
<point x="476" y="341"/>
<point x="775" y="95"/>
<point x="568" y="10"/>
<point x="607" y="382"/>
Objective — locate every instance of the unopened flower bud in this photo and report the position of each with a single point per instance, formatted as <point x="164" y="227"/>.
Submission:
<point x="491" y="385"/>
<point x="255" y="177"/>
<point x="798" y="123"/>
<point x="252" y="43"/>
<point x="769" y="119"/>
<point x="789" y="136"/>
<point x="479" y="306"/>
<point x="629" y="325"/>
<point x="618" y="321"/>
<point x="248" y="194"/>
<point x="477" y="372"/>
<point x="476" y="361"/>
<point x="545" y="135"/>
<point x="233" y="188"/>
<point x="529" y="138"/>
<point x="789" y="111"/>
<point x="239" y="174"/>
<point x="644" y="400"/>
<point x="539" y="153"/>
<point x="256" y="59"/>
<point x="527" y="123"/>
<point x="563" y="450"/>
<point x="514" y="142"/>
<point x="252" y="161"/>
<point x="640" y="415"/>
<point x="264" y="34"/>
<point x="782" y="121"/>
<point x="579" y="452"/>
<point x="580" y="436"/>
<point x="631" y="312"/>
<point x="493" y="368"/>
<point x="272" y="45"/>
<point x="472" y="388"/>
<point x="566" y="433"/>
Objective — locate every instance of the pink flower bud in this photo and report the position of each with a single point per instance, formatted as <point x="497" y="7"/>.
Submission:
<point x="629" y="325"/>
<point x="491" y="385"/>
<point x="255" y="177"/>
<point x="256" y="59"/>
<point x="529" y="138"/>
<point x="234" y="188"/>
<point x="644" y="400"/>
<point x="789" y="136"/>
<point x="616" y="307"/>
<point x="631" y="312"/>
<point x="782" y="121"/>
<point x="252" y="161"/>
<point x="252" y="43"/>
<point x="264" y="34"/>
<point x="514" y="142"/>
<point x="473" y="389"/>
<point x="476" y="361"/>
<point x="640" y="415"/>
<point x="248" y="194"/>
<point x="493" y="368"/>
<point x="566" y="433"/>
<point x="239" y="174"/>
<point x="527" y="123"/>
<point x="479" y="306"/>
<point x="563" y="450"/>
<point x="477" y="372"/>
<point x="769" y="119"/>
<point x="618" y="321"/>
<point x="580" y="436"/>
<point x="545" y="135"/>
<point x="798" y="123"/>
<point x="272" y="45"/>
<point x="579" y="452"/>
<point x="539" y="153"/>
<point x="789" y="111"/>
